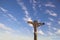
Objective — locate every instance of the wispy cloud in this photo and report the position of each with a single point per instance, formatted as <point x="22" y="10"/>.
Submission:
<point x="58" y="22"/>
<point x="8" y="14"/>
<point x="50" y="33"/>
<point x="49" y="4"/>
<point x="34" y="5"/>
<point x="13" y="36"/>
<point x="3" y="10"/>
<point x="50" y="12"/>
<point x="12" y="17"/>
<point x="41" y="32"/>
<point x="4" y="27"/>
<point x="54" y="28"/>
<point x="58" y="31"/>
<point x="48" y="23"/>
<point x="51" y="19"/>
<point x="27" y="17"/>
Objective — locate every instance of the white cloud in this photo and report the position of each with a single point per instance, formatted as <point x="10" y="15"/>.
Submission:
<point x="49" y="4"/>
<point x="58" y="22"/>
<point x="54" y="28"/>
<point x="41" y="32"/>
<point x="13" y="36"/>
<point x="27" y="17"/>
<point x="2" y="26"/>
<point x="51" y="19"/>
<point x="34" y="5"/>
<point x="27" y="30"/>
<point x="6" y="13"/>
<point x="50" y="33"/>
<point x="48" y="23"/>
<point x="23" y="6"/>
<point x="34" y="1"/>
<point x="31" y="25"/>
<point x="51" y="13"/>
<point x="3" y="10"/>
<point x="58" y="31"/>
<point x="12" y="17"/>
<point x="45" y="38"/>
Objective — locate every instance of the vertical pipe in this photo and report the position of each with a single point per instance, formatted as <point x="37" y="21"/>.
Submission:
<point x="35" y="33"/>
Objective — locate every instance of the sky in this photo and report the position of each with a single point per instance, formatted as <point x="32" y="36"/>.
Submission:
<point x="14" y="15"/>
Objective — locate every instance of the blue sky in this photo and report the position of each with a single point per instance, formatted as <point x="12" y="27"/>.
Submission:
<point x="14" y="15"/>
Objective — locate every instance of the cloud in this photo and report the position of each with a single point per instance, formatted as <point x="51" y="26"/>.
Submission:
<point x="34" y="1"/>
<point x="27" y="17"/>
<point x="3" y="10"/>
<point x="13" y="36"/>
<point x="54" y="28"/>
<point x="4" y="27"/>
<point x="58" y="22"/>
<point x="7" y="13"/>
<point x="23" y="6"/>
<point x="34" y="5"/>
<point x="41" y="32"/>
<point x="45" y="38"/>
<point x="51" y="19"/>
<point x="49" y="4"/>
<point x="51" y="13"/>
<point x="12" y="17"/>
<point x="50" y="33"/>
<point x="48" y="23"/>
<point x="58" y="31"/>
